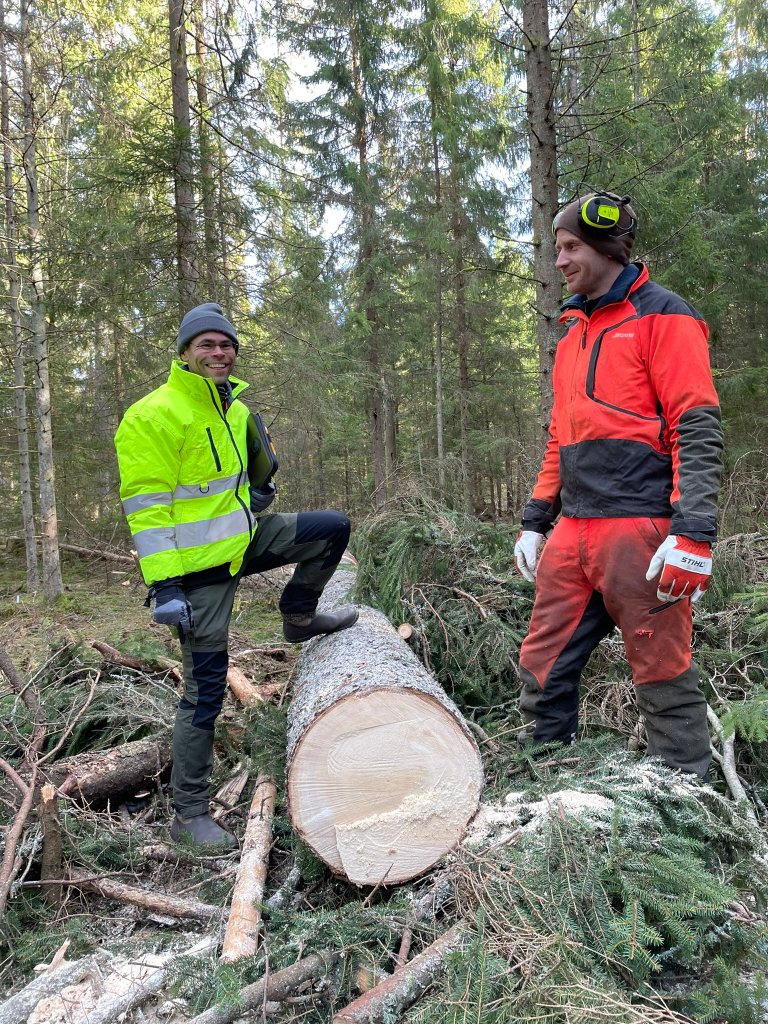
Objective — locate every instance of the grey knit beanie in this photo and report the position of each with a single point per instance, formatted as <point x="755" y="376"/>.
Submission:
<point x="616" y="242"/>
<point x="207" y="317"/>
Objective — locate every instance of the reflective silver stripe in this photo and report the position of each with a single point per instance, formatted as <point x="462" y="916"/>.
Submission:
<point x="190" y="535"/>
<point x="155" y="540"/>
<point x="142" y="501"/>
<point x="208" y="531"/>
<point x="227" y="483"/>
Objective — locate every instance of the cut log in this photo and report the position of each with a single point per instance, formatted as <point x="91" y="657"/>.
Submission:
<point x="242" y="935"/>
<point x="98" y="777"/>
<point x="383" y="773"/>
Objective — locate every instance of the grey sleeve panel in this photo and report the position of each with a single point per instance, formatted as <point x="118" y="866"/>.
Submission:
<point x="539" y="515"/>
<point x="700" y="439"/>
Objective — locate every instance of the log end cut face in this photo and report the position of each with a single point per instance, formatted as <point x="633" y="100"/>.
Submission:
<point x="383" y="784"/>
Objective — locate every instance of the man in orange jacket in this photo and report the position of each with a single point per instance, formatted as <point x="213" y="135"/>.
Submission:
<point x="629" y="479"/>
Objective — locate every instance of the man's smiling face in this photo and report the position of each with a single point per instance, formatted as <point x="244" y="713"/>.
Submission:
<point x="211" y="354"/>
<point x="586" y="271"/>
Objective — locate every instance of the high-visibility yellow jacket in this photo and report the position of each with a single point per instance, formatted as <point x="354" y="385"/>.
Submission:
<point x="183" y="477"/>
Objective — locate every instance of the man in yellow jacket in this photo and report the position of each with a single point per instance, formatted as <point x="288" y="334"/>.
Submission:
<point x="198" y="527"/>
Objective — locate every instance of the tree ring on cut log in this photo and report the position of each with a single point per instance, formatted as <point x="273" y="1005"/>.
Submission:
<point x="383" y="784"/>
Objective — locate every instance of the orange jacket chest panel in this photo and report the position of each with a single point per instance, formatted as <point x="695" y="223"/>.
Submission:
<point x="602" y="383"/>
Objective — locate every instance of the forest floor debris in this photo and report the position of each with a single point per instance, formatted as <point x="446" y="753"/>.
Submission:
<point x="595" y="885"/>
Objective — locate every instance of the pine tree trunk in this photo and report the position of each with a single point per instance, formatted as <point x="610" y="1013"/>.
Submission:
<point x="183" y="170"/>
<point x="462" y="346"/>
<point x="439" y="410"/>
<point x="383" y="773"/>
<point x="51" y="568"/>
<point x="374" y="385"/>
<point x="207" y="176"/>
<point x="14" y="296"/>
<point x="543" y="152"/>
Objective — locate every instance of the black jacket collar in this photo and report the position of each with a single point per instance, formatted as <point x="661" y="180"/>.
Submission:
<point x="619" y="290"/>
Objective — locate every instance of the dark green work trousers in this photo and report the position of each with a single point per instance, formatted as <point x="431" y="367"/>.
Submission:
<point x="316" y="542"/>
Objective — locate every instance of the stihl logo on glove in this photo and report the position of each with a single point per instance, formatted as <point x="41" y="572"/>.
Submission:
<point x="686" y="568"/>
<point x="696" y="563"/>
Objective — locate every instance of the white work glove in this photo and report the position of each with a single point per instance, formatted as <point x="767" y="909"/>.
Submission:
<point x="685" y="566"/>
<point x="527" y="551"/>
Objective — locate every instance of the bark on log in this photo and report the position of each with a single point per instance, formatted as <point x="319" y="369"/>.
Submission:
<point x="97" y="777"/>
<point x="155" y="902"/>
<point x="383" y="773"/>
<point x="241" y="938"/>
<point x="400" y="990"/>
<point x="278" y="987"/>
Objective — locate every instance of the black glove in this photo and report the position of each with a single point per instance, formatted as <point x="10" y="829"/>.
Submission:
<point x="171" y="605"/>
<point x="262" y="497"/>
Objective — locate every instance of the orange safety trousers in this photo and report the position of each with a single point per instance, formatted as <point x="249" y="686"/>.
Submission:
<point x="591" y="578"/>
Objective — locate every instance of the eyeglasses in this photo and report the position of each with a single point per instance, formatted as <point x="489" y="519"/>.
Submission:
<point x="207" y="344"/>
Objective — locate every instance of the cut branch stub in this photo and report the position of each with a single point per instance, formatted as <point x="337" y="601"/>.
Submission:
<point x="383" y="772"/>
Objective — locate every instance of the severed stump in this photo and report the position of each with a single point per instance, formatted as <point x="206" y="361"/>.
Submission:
<point x="383" y="773"/>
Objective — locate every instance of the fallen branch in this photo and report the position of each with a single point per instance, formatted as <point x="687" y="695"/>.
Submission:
<point x="401" y="957"/>
<point x="115" y="657"/>
<point x="242" y="935"/>
<point x="246" y="692"/>
<point x="278" y="899"/>
<point x="167" y="854"/>
<point x="226" y="798"/>
<point x="27" y="693"/>
<point x="400" y="990"/>
<point x="107" y="556"/>
<point x="277" y="987"/>
<point x="155" y="902"/>
<point x="109" y="1010"/>
<point x="17" y="1008"/>
<point x="727" y="761"/>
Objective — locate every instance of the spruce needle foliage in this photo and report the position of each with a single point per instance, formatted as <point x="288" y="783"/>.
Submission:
<point x="453" y="579"/>
<point x="581" y="912"/>
<point x="97" y="708"/>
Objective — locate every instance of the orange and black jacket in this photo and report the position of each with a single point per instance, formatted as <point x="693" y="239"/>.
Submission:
<point x="635" y="427"/>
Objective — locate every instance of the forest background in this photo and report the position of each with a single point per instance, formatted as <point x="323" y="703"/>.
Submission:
<point x="367" y="190"/>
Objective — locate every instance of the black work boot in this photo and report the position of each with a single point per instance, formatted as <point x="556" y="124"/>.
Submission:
<point x="298" y="628"/>
<point x="202" y="830"/>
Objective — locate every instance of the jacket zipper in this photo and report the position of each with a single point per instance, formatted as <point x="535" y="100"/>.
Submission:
<point x="215" y="454"/>
<point x="223" y="416"/>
